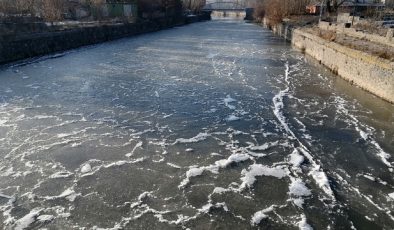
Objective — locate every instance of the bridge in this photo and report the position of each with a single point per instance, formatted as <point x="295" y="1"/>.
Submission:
<point x="224" y="6"/>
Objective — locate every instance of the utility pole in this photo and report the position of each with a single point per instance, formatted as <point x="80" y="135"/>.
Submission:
<point x="323" y="2"/>
<point x="354" y="10"/>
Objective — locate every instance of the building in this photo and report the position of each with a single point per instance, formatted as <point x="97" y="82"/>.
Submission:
<point x="313" y="9"/>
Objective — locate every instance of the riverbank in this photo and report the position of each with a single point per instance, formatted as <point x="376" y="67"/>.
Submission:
<point x="360" y="67"/>
<point x="28" y="45"/>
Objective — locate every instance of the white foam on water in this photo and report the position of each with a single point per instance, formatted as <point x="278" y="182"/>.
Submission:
<point x="193" y="172"/>
<point x="174" y="165"/>
<point x="260" y="215"/>
<point x="86" y="168"/>
<point x="297" y="188"/>
<point x="197" y="171"/>
<point x="232" y="117"/>
<point x="299" y="202"/>
<point x="322" y="180"/>
<point x="296" y="159"/>
<point x="45" y="218"/>
<point x="5" y="196"/>
<point x="229" y="100"/>
<point x="212" y="55"/>
<point x="198" y="138"/>
<point x="391" y="196"/>
<point x="207" y="207"/>
<point x="234" y="158"/>
<point x="61" y="174"/>
<point x="138" y="145"/>
<point x="369" y="177"/>
<point x="220" y="190"/>
<point x="278" y="103"/>
<point x="249" y="176"/>
<point x="264" y="146"/>
<point x="27" y="220"/>
<point x="3" y="121"/>
<point x="366" y="197"/>
<point x="315" y="170"/>
<point x="120" y="163"/>
<point x="303" y="225"/>
<point x="69" y="194"/>
<point x="365" y="132"/>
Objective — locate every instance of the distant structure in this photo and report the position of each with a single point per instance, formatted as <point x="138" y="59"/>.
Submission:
<point x="313" y="9"/>
<point x="351" y="6"/>
<point x="389" y="3"/>
<point x="121" y="8"/>
<point x="228" y="8"/>
<point x="78" y="9"/>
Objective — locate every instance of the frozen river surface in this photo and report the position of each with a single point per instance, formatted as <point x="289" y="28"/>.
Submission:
<point x="214" y="125"/>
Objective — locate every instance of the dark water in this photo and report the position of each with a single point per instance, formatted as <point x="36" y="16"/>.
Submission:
<point x="215" y="125"/>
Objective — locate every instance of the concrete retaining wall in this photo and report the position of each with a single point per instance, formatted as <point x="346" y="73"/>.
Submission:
<point x="371" y="73"/>
<point x="14" y="48"/>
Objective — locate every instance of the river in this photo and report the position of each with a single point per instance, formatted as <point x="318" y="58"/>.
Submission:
<point x="213" y="125"/>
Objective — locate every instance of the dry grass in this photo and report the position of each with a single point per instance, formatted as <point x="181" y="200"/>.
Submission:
<point x="375" y="49"/>
<point x="328" y="35"/>
<point x="371" y="28"/>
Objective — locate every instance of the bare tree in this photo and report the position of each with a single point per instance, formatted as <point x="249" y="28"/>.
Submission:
<point x="193" y="5"/>
<point x="276" y="10"/>
<point x="333" y="5"/>
<point x="96" y="8"/>
<point x="21" y="7"/>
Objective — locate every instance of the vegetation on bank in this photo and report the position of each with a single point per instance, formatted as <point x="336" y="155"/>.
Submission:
<point x="277" y="10"/>
<point x="88" y="10"/>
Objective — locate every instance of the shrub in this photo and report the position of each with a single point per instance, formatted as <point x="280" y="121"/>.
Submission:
<point x="53" y="10"/>
<point x="17" y="7"/>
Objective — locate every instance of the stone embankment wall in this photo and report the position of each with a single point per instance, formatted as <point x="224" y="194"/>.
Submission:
<point x="21" y="46"/>
<point x="369" y="72"/>
<point x="282" y="29"/>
